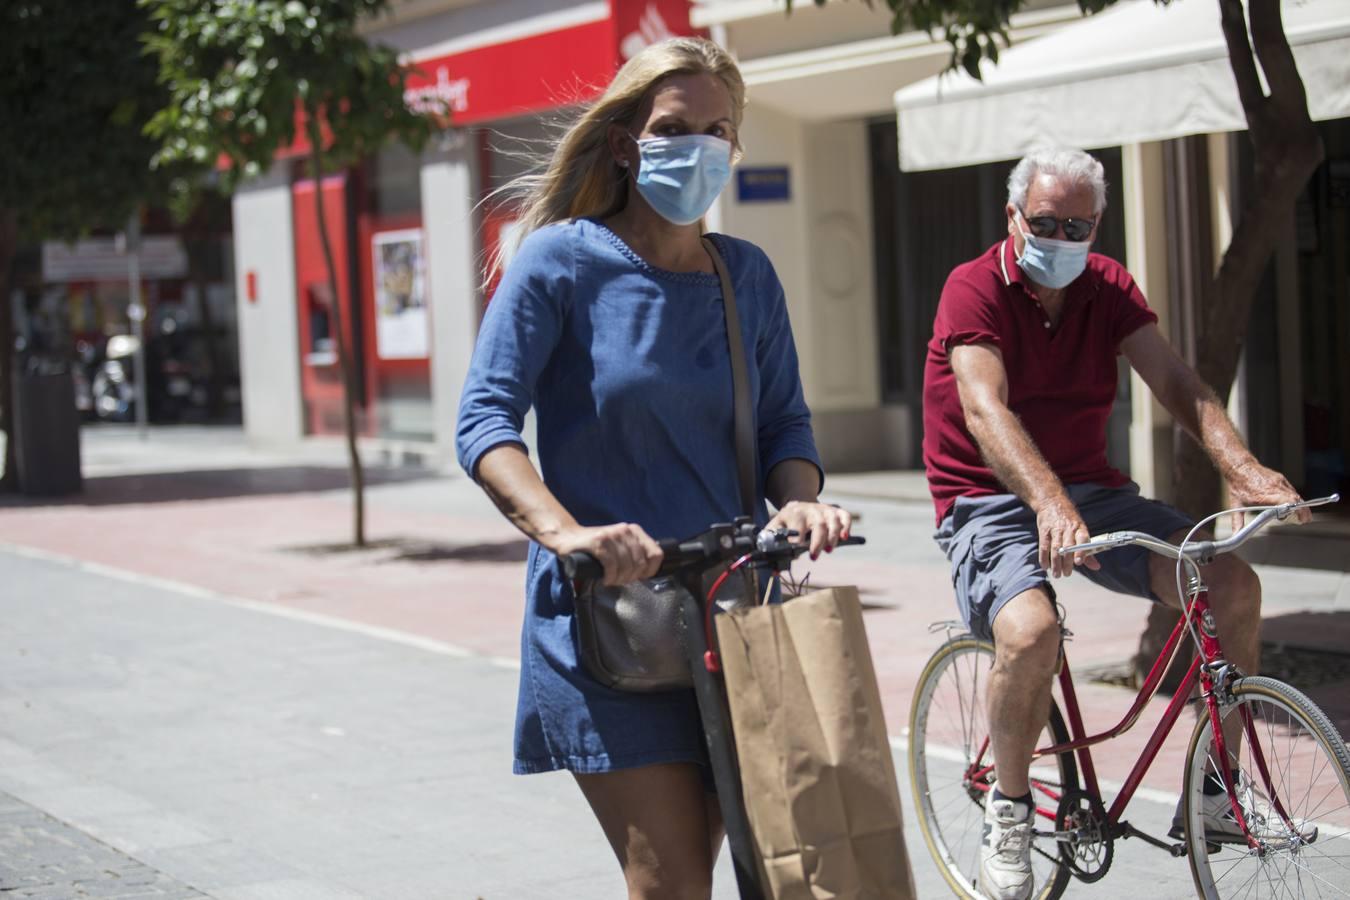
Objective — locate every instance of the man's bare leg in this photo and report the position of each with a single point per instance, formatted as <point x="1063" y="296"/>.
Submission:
<point x="1026" y="651"/>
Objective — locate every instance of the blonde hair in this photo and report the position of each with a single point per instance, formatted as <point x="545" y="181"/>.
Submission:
<point x="580" y="177"/>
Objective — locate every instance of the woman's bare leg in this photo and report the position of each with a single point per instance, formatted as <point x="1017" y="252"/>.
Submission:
<point x="663" y="826"/>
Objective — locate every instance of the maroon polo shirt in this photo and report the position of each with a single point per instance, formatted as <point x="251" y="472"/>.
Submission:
<point x="1061" y="380"/>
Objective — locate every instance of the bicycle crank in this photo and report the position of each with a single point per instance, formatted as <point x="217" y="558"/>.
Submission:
<point x="1086" y="844"/>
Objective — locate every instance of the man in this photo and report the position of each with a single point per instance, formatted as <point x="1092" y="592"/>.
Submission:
<point x="1018" y="385"/>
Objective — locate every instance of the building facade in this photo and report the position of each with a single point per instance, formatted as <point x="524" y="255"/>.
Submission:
<point x="870" y="227"/>
<point x="411" y="232"/>
<point x="861" y="235"/>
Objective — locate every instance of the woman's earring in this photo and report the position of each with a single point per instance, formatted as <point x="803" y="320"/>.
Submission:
<point x="623" y="163"/>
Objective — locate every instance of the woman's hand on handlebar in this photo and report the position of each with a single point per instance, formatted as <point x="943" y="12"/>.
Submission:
<point x="820" y="523"/>
<point x="626" y="551"/>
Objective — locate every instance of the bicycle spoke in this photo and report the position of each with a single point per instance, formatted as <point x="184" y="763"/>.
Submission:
<point x="1293" y="789"/>
<point x="953" y="766"/>
<point x="1339" y="888"/>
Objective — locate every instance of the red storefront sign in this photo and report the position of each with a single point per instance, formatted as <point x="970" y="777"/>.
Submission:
<point x="543" y="70"/>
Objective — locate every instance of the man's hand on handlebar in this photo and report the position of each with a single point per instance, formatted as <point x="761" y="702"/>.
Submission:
<point x="824" y="525"/>
<point x="1058" y="525"/>
<point x="1255" y="485"/>
<point x="626" y="551"/>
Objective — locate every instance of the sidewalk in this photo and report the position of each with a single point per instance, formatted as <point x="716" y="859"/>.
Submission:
<point x="257" y="757"/>
<point x="198" y="506"/>
<point x="194" y="517"/>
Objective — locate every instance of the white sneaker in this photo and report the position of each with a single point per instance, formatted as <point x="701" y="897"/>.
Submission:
<point x="1222" y="826"/>
<point x="1005" y="853"/>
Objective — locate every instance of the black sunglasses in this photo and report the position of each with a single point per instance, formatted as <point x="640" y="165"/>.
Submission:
<point x="1046" y="226"/>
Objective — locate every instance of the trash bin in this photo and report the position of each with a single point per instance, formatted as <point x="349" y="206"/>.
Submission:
<point x="46" y="434"/>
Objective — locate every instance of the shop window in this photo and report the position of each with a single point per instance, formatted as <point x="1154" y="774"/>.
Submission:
<point x="394" y="302"/>
<point x="395" y="182"/>
<point x="1294" y="371"/>
<point x="319" y="314"/>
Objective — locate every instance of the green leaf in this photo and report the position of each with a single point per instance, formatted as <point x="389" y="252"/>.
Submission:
<point x="970" y="61"/>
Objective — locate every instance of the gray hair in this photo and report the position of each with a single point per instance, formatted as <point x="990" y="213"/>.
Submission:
<point x="1074" y="166"/>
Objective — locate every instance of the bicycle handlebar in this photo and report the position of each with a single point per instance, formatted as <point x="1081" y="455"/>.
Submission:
<point x="1198" y="551"/>
<point x="721" y="542"/>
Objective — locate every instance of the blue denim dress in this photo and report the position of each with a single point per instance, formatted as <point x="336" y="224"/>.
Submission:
<point x="626" y="366"/>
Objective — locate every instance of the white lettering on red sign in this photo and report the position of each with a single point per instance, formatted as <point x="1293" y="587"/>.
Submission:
<point x="445" y="95"/>
<point x="652" y="29"/>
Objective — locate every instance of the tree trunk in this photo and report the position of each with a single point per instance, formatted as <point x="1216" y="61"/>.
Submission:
<point x="344" y="357"/>
<point x="1287" y="151"/>
<point x="9" y="239"/>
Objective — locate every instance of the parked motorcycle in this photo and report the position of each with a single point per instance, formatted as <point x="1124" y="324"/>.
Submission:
<point x="177" y="377"/>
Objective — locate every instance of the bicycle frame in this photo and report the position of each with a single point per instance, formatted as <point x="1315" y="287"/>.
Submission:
<point x="1080" y="743"/>
<point x="1209" y="669"/>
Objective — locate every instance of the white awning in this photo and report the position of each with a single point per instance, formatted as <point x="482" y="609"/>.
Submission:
<point x="1137" y="72"/>
<point x="857" y="79"/>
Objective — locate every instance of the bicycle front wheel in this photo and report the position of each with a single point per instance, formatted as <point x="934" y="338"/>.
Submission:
<point x="951" y="767"/>
<point x="1293" y="788"/>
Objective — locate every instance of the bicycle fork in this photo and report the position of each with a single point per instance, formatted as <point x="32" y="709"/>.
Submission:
<point x="1217" y="677"/>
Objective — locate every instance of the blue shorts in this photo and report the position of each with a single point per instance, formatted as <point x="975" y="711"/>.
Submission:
<point x="993" y="547"/>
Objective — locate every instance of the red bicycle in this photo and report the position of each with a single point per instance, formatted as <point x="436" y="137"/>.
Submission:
<point x="1286" y="779"/>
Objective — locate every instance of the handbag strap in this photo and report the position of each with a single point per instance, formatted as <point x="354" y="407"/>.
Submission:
<point x="744" y="417"/>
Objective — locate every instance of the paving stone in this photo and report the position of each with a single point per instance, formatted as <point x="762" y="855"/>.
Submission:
<point x="287" y="889"/>
<point x="46" y="859"/>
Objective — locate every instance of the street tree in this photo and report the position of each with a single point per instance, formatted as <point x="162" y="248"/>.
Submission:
<point x="75" y="92"/>
<point x="1286" y="150"/>
<point x="247" y="80"/>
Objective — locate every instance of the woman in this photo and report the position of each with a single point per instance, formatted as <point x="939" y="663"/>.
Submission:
<point x="609" y="321"/>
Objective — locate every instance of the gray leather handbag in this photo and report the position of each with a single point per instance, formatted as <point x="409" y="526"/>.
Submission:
<point x="631" y="637"/>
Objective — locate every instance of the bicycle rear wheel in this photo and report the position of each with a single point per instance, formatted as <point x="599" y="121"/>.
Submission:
<point x="951" y="766"/>
<point x="1293" y="782"/>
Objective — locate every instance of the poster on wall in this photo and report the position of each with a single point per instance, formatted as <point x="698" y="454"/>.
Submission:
<point x="401" y="328"/>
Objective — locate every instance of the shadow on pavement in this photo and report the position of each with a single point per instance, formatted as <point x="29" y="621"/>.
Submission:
<point x="420" y="550"/>
<point x="213" y="484"/>
<point x="1311" y="651"/>
<point x="505" y="551"/>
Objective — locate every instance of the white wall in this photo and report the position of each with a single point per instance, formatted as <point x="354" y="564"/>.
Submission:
<point x="448" y="188"/>
<point x="842" y="265"/>
<point x="779" y="228"/>
<point x="820" y="241"/>
<point x="269" y="340"/>
<point x="1146" y="238"/>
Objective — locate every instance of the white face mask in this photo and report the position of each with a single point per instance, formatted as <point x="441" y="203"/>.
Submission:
<point x="1051" y="263"/>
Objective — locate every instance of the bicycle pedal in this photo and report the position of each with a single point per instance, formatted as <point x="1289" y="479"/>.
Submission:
<point x="1179" y="849"/>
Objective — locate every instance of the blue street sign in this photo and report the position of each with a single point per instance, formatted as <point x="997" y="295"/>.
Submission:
<point x="762" y="184"/>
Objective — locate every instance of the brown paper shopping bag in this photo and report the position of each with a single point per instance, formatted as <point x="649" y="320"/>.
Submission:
<point x="815" y="759"/>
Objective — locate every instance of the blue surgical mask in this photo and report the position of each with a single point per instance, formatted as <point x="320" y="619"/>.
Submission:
<point x="681" y="176"/>
<point x="1051" y="263"/>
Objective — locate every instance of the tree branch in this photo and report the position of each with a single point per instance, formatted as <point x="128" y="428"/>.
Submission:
<point x="1276" y="57"/>
<point x="1240" y="57"/>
